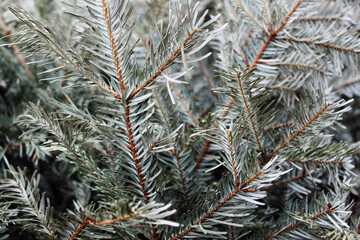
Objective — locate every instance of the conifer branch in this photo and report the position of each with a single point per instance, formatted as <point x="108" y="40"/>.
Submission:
<point x="298" y="132"/>
<point x="274" y="32"/>
<point x="346" y="83"/>
<point x="79" y="229"/>
<point x="131" y="146"/>
<point x="281" y="87"/>
<point x="111" y="221"/>
<point x="115" y="94"/>
<point x="251" y="17"/>
<point x="251" y="118"/>
<point x="248" y="37"/>
<point x="182" y="179"/>
<point x="267" y="15"/>
<point x="113" y="46"/>
<point x="7" y="32"/>
<point x="329" y="209"/>
<point x="239" y="188"/>
<point x="34" y="208"/>
<point x="232" y="159"/>
<point x="68" y="146"/>
<point x="321" y="44"/>
<point x="280" y="125"/>
<point x="303" y="174"/>
<point x="163" y="67"/>
<point x="315" y="161"/>
<point x="298" y="65"/>
<point x="204" y="73"/>
<point x="243" y="58"/>
<point x="202" y="154"/>
<point x="183" y="103"/>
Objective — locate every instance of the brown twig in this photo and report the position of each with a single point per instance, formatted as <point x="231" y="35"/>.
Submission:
<point x="267" y="15"/>
<point x="113" y="46"/>
<point x="298" y="132"/>
<point x="346" y="83"/>
<point x="329" y="209"/>
<point x="16" y="49"/>
<point x="239" y="188"/>
<point x="251" y="17"/>
<point x="280" y="125"/>
<point x="183" y="103"/>
<point x="232" y="159"/>
<point x="321" y="44"/>
<point x="251" y="118"/>
<point x="202" y="154"/>
<point x="165" y="64"/>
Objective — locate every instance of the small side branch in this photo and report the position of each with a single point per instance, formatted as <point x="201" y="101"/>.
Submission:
<point x="232" y="159"/>
<point x="321" y="44"/>
<point x="267" y="15"/>
<point x="329" y="209"/>
<point x="251" y="118"/>
<point x="113" y="46"/>
<point x="345" y="84"/>
<point x="16" y="50"/>
<point x="165" y="65"/>
<point x="183" y="103"/>
<point x="251" y="17"/>
<point x="202" y="154"/>
<point x="239" y="188"/>
<point x="299" y="131"/>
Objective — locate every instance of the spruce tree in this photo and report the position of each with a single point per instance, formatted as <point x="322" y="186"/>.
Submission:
<point x="177" y="119"/>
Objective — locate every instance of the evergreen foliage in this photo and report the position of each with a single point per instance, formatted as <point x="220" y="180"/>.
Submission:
<point x="178" y="119"/>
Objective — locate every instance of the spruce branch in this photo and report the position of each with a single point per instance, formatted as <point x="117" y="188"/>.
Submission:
<point x="299" y="131"/>
<point x="291" y="227"/>
<point x="167" y="62"/>
<point x="113" y="45"/>
<point x="16" y="49"/>
<point x="250" y="117"/>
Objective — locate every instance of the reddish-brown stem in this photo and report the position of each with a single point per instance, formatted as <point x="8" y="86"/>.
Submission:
<point x="182" y="179"/>
<point x="131" y="146"/>
<point x="204" y="73"/>
<point x="329" y="209"/>
<point x="79" y="229"/>
<point x="282" y="25"/>
<point x="16" y="50"/>
<point x="115" y="94"/>
<point x="321" y="44"/>
<point x="267" y="15"/>
<point x="251" y="17"/>
<point x="287" y="180"/>
<point x="248" y="36"/>
<point x="251" y="118"/>
<point x="280" y="125"/>
<point x="243" y="58"/>
<point x="113" y="46"/>
<point x="298" y="132"/>
<point x="152" y="145"/>
<point x="316" y="161"/>
<point x="90" y="222"/>
<point x="183" y="182"/>
<point x="202" y="154"/>
<point x="299" y="65"/>
<point x="345" y="84"/>
<point x="232" y="159"/>
<point x="165" y="65"/>
<point x="183" y="103"/>
<point x="274" y="32"/>
<point x="239" y="188"/>
<point x="36" y="211"/>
